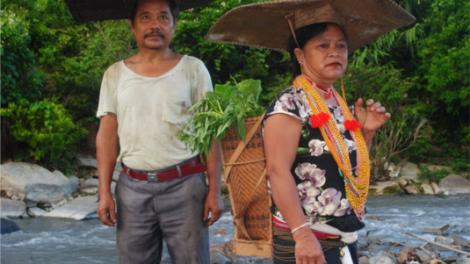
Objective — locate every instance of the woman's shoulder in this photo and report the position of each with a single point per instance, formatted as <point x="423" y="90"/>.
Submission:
<point x="290" y="101"/>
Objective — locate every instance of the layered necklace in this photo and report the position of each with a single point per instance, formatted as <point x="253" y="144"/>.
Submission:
<point x="357" y="187"/>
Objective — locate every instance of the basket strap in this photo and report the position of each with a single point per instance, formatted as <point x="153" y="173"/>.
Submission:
<point x="241" y="146"/>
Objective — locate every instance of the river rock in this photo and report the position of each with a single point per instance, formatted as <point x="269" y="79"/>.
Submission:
<point x="12" y="208"/>
<point x="362" y="242"/>
<point x="433" y="167"/>
<point x="410" y="171"/>
<point x="218" y="258"/>
<point x="433" y="231"/>
<point x="462" y="261"/>
<point x="436" y="188"/>
<point x="88" y="163"/>
<point x="423" y="256"/>
<point x="67" y="186"/>
<point x="383" y="258"/>
<point x="460" y="241"/>
<point x="77" y="209"/>
<point x="364" y="260"/>
<point x="411" y="188"/>
<point x="74" y="183"/>
<point x="427" y="189"/>
<point x="89" y="186"/>
<point x="35" y="212"/>
<point x="446" y="241"/>
<point x="8" y="226"/>
<point x="236" y="259"/>
<point x="25" y="181"/>
<point x="385" y="187"/>
<point x="454" y="184"/>
<point x="92" y="164"/>
<point x="90" y="182"/>
<point x="89" y="190"/>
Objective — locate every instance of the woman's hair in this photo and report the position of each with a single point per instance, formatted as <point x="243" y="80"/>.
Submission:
<point x="304" y="35"/>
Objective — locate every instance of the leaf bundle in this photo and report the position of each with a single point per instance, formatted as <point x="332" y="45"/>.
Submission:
<point x="228" y="105"/>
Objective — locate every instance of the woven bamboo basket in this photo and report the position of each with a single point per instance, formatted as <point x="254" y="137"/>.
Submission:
<point x="245" y="173"/>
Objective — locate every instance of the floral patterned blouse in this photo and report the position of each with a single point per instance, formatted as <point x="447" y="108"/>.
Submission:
<point x="319" y="182"/>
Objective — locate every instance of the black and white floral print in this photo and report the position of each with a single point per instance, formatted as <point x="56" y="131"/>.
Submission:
<point x="319" y="182"/>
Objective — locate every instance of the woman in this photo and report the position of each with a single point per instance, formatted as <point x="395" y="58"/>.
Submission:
<point x="317" y="154"/>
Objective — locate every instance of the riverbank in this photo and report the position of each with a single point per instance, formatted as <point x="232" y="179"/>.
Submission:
<point x="61" y="241"/>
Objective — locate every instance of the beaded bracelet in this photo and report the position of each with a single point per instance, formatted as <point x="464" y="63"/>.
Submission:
<point x="299" y="227"/>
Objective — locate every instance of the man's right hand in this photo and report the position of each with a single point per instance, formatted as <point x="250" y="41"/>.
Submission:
<point x="107" y="210"/>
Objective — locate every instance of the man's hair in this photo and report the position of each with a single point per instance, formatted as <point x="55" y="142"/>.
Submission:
<point x="304" y="35"/>
<point x="174" y="8"/>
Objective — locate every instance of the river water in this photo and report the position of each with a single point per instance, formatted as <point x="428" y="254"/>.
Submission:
<point x="59" y="241"/>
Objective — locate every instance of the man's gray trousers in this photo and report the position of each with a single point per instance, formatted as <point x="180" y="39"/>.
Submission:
<point x="149" y="212"/>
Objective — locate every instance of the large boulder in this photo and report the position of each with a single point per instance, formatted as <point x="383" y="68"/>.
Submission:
<point x="410" y="171"/>
<point x="25" y="181"/>
<point x="77" y="209"/>
<point x="89" y="186"/>
<point x="12" y="208"/>
<point x="8" y="226"/>
<point x="454" y="184"/>
<point x="74" y="183"/>
<point x="436" y="188"/>
<point x="427" y="189"/>
<point x="408" y="185"/>
<point x="385" y="187"/>
<point x="66" y="185"/>
<point x="90" y="163"/>
<point x="35" y="212"/>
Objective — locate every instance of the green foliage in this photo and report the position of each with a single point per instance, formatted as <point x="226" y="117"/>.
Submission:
<point x="47" y="129"/>
<point x="419" y="72"/>
<point x="445" y="56"/>
<point x="224" y="60"/>
<point x="228" y="105"/>
<point x="20" y="79"/>
<point x="432" y="175"/>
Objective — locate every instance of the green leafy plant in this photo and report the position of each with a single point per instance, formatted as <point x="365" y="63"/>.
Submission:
<point x="229" y="104"/>
<point x="47" y="130"/>
<point x="432" y="175"/>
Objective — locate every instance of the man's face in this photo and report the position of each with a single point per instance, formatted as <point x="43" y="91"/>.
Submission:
<point x="153" y="25"/>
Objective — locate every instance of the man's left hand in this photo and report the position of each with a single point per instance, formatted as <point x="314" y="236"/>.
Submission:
<point x="215" y="206"/>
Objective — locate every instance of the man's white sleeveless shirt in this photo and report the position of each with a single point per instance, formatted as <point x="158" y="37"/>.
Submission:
<point x="150" y="111"/>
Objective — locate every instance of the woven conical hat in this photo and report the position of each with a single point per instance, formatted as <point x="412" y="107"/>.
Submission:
<point x="265" y="24"/>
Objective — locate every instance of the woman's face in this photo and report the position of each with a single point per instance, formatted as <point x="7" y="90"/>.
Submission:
<point x="327" y="56"/>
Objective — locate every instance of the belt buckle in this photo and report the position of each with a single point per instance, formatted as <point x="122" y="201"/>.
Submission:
<point x="152" y="177"/>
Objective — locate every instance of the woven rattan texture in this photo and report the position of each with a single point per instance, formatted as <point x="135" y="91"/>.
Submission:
<point x="242" y="180"/>
<point x="265" y="24"/>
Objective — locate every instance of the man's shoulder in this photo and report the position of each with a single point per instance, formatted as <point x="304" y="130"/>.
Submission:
<point x="193" y="61"/>
<point x="114" y="71"/>
<point x="115" y="66"/>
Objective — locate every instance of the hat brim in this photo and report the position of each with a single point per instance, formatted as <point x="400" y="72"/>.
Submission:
<point x="98" y="10"/>
<point x="265" y="25"/>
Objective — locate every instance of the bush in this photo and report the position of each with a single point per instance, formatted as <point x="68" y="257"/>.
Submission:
<point x="47" y="132"/>
<point x="20" y="79"/>
<point x="432" y="175"/>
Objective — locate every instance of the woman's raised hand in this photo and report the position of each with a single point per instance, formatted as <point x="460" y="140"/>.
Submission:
<point x="372" y="117"/>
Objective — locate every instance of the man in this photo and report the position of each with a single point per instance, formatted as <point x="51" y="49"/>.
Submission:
<point x="161" y="194"/>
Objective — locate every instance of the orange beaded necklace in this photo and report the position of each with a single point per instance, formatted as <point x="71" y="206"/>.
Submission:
<point x="357" y="187"/>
